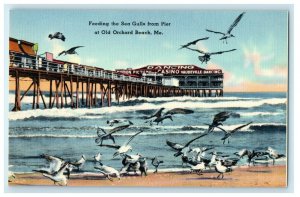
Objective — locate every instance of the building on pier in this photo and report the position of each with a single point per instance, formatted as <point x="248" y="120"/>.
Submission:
<point x="188" y="76"/>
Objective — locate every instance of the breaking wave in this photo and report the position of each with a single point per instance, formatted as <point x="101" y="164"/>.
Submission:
<point x="81" y="113"/>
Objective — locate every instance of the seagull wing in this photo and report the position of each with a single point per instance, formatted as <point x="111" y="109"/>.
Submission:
<point x="111" y="146"/>
<point x="197" y="50"/>
<point x="193" y="42"/>
<point x="158" y="113"/>
<point x="56" y="34"/>
<point x="60" y="172"/>
<point x="235" y="22"/>
<point x="179" y="111"/>
<point x="221" y="117"/>
<point x="240" y="127"/>
<point x="74" y="48"/>
<point x="220" y="52"/>
<point x="131" y="138"/>
<point x="55" y="162"/>
<point x="216" y="32"/>
<point x="187" y="144"/>
<point x="63" y="38"/>
<point x="119" y="128"/>
<point x="175" y="146"/>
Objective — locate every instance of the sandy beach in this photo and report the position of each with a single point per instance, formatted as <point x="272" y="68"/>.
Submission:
<point x="259" y="176"/>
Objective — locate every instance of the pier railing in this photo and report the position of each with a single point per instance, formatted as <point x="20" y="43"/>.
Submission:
<point x="40" y="63"/>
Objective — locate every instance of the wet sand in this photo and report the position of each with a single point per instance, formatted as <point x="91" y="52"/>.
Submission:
<point x="261" y="176"/>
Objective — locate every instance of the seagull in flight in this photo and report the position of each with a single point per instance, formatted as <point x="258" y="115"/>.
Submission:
<point x="228" y="134"/>
<point x="193" y="42"/>
<point x="70" y="51"/>
<point x="206" y="55"/>
<point x="218" y="120"/>
<point x="55" y="163"/>
<point x="228" y="33"/>
<point x="58" y="177"/>
<point x="121" y="150"/>
<point x="160" y="116"/>
<point x="182" y="149"/>
<point x="118" y="121"/>
<point x="107" y="134"/>
<point x="57" y="35"/>
<point x="156" y="114"/>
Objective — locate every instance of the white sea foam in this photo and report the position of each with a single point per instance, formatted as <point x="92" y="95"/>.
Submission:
<point x="259" y="113"/>
<point x="68" y="112"/>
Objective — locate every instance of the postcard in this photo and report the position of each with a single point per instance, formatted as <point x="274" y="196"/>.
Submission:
<point x="148" y="98"/>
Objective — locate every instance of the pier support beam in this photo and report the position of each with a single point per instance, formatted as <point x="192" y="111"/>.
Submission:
<point x="17" y="106"/>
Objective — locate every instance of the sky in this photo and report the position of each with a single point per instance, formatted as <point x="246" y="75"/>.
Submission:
<point x="260" y="62"/>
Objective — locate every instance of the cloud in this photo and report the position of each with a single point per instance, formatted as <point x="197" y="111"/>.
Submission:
<point x="259" y="61"/>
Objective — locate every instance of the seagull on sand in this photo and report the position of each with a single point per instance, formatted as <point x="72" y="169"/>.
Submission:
<point x="70" y="51"/>
<point x="228" y="33"/>
<point x="228" y="134"/>
<point x="131" y="158"/>
<point x="273" y="154"/>
<point x="107" y="134"/>
<point x="109" y="171"/>
<point x="193" y="42"/>
<point x="251" y="155"/>
<point x="97" y="157"/>
<point x="80" y="163"/>
<point x="58" y="177"/>
<point x="57" y="35"/>
<point x="221" y="169"/>
<point x="156" y="162"/>
<point x="198" y="167"/>
<point x="121" y="150"/>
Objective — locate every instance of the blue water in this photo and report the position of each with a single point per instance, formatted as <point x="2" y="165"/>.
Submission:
<point x="69" y="133"/>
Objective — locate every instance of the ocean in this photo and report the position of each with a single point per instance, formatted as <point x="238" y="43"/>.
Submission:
<point x="70" y="133"/>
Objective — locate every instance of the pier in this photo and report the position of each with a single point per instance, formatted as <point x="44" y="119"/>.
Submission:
<point x="73" y="85"/>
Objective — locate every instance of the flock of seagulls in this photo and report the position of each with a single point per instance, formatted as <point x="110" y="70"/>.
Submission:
<point x="205" y="57"/>
<point x="60" y="36"/>
<point x="198" y="159"/>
